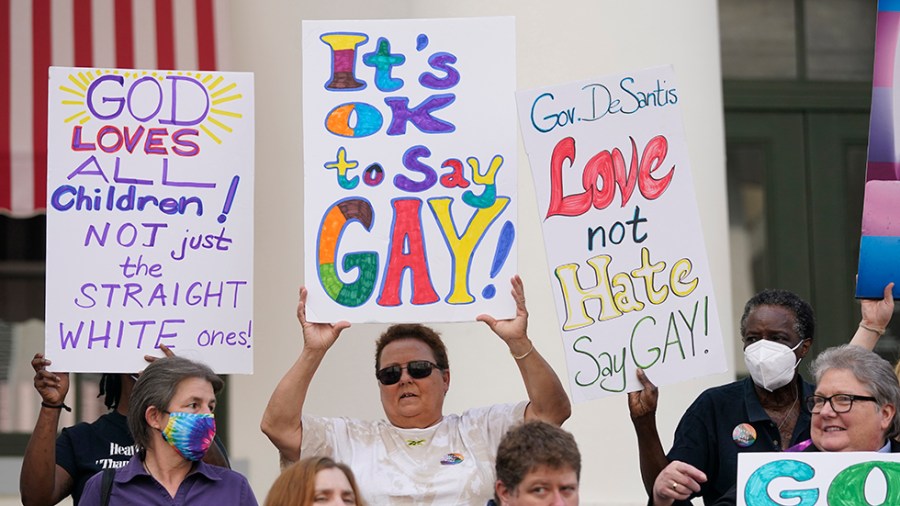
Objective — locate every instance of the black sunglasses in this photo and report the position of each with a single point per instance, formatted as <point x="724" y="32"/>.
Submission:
<point x="417" y="369"/>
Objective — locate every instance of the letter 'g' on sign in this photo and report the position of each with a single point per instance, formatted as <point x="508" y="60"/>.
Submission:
<point x="756" y="493"/>
<point x="366" y="263"/>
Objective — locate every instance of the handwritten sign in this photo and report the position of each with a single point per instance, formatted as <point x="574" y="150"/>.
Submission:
<point x="622" y="233"/>
<point x="880" y="242"/>
<point x="409" y="169"/>
<point x="812" y="478"/>
<point x="149" y="218"/>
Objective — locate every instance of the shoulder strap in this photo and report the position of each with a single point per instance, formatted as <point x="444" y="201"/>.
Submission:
<point x="106" y="486"/>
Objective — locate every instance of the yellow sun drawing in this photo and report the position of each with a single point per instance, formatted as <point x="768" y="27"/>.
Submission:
<point x="216" y="118"/>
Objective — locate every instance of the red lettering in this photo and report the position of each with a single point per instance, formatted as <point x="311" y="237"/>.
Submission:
<point x="600" y="168"/>
<point x="625" y="180"/>
<point x="153" y="144"/>
<point x="608" y="170"/>
<point x="184" y="146"/>
<point x="654" y="154"/>
<point x="407" y="251"/>
<point x="117" y="139"/>
<point x="570" y="205"/>
<point x="454" y="179"/>
<point x="77" y="144"/>
<point x="132" y="140"/>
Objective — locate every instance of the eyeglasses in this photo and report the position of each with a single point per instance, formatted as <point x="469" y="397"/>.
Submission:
<point x="417" y="369"/>
<point x="840" y="403"/>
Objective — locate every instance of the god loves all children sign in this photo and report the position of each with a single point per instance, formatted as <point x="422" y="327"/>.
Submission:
<point x="622" y="232"/>
<point x="149" y="218"/>
<point x="409" y="169"/>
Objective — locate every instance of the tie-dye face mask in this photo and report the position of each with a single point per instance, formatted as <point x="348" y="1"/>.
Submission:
<point x="190" y="434"/>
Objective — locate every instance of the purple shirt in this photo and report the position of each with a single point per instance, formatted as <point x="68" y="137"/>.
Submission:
<point x="205" y="484"/>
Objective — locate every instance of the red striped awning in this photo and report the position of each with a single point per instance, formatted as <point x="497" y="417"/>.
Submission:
<point x="35" y="34"/>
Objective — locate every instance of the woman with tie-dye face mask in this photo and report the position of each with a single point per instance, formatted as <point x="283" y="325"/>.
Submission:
<point x="171" y="419"/>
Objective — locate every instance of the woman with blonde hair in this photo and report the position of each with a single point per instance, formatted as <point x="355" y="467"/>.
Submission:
<point x="315" y="481"/>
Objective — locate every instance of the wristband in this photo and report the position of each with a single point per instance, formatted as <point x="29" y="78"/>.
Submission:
<point x="877" y="330"/>
<point x="520" y="357"/>
<point x="61" y="405"/>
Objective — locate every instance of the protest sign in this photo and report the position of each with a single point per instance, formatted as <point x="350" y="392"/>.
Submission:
<point x="409" y="169"/>
<point x="149" y="218"/>
<point x="880" y="242"/>
<point x="818" y="478"/>
<point x="628" y="266"/>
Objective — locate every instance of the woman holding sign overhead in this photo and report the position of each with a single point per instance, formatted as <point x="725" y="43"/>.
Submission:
<point x="763" y="413"/>
<point x="418" y="454"/>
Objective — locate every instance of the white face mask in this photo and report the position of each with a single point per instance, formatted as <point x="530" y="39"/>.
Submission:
<point x="771" y="364"/>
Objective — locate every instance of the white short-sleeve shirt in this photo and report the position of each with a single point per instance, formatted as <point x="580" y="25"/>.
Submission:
<point x="451" y="462"/>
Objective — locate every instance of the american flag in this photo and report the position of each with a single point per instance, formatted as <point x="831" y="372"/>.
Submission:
<point x="35" y="34"/>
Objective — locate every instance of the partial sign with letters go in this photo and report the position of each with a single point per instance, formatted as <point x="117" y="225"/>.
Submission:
<point x="818" y="479"/>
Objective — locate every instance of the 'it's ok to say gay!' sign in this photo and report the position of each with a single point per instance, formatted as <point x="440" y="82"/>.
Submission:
<point x="409" y="169"/>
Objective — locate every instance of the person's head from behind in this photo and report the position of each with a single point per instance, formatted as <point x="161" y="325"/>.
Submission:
<point x="413" y="372"/>
<point x="173" y="401"/>
<point x="313" y="481"/>
<point x="777" y="329"/>
<point x="537" y="464"/>
<point x="855" y="404"/>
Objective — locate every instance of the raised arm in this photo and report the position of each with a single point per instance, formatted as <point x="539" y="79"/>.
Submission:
<point x="642" y="407"/>
<point x="41" y="481"/>
<point x="281" y="420"/>
<point x="876" y="315"/>
<point x="547" y="398"/>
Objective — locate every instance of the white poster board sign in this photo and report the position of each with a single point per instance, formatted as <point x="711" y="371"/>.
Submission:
<point x="409" y="167"/>
<point x="622" y="232"/>
<point x="149" y="218"/>
<point x="818" y="479"/>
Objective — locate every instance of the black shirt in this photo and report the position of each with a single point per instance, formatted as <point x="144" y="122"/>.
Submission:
<point x="705" y="436"/>
<point x="87" y="448"/>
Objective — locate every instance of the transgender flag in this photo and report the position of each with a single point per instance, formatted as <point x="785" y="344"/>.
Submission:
<point x="879" y="250"/>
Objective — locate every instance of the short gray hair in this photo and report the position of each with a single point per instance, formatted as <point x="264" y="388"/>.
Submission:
<point x="156" y="387"/>
<point x="870" y="370"/>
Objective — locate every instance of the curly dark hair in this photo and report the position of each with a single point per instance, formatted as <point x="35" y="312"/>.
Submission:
<point x="531" y="445"/>
<point x="805" y="318"/>
<point x="418" y="332"/>
<point x="111" y="389"/>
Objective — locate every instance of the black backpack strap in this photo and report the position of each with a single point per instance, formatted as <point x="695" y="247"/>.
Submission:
<point x="106" y="486"/>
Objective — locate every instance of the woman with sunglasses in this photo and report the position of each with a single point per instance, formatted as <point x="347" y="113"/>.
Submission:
<point x="418" y="455"/>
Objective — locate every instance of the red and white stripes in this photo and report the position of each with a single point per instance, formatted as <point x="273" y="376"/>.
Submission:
<point x="141" y="34"/>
